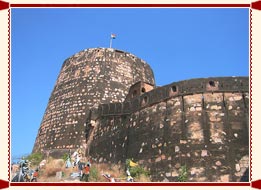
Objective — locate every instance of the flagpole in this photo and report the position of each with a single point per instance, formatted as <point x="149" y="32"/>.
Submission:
<point x="110" y="41"/>
<point x="113" y="36"/>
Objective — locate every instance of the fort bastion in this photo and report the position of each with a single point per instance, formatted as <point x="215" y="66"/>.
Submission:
<point x="106" y="102"/>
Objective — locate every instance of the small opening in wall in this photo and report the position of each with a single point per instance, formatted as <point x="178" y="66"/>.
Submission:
<point x="174" y="88"/>
<point x="143" y="90"/>
<point x="212" y="83"/>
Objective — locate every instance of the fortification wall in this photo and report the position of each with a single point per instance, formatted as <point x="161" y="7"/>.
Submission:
<point x="88" y="78"/>
<point x="200" y="123"/>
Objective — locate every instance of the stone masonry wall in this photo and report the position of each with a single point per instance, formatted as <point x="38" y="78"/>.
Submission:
<point x="200" y="123"/>
<point x="88" y="78"/>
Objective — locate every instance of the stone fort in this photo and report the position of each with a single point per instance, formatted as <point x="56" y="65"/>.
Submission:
<point x="106" y="101"/>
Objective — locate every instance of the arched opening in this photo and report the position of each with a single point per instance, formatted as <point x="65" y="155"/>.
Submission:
<point x="143" y="90"/>
<point x="144" y="101"/>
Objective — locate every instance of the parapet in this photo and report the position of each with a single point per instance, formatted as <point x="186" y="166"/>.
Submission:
<point x="181" y="88"/>
<point x="138" y="89"/>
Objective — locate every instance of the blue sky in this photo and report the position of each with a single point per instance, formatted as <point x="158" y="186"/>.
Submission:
<point x="177" y="43"/>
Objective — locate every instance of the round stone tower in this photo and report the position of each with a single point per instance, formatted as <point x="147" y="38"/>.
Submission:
<point x="88" y="78"/>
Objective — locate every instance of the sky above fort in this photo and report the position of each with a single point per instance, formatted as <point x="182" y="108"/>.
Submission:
<point x="177" y="43"/>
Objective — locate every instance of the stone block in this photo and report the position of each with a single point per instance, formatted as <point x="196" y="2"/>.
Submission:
<point x="174" y="173"/>
<point x="204" y="153"/>
<point x="237" y="167"/>
<point x="158" y="159"/>
<point x="218" y="163"/>
<point x="224" y="178"/>
<point x="177" y="149"/>
<point x="59" y="175"/>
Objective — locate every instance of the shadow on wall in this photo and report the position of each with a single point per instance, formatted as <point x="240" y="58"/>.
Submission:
<point x="245" y="177"/>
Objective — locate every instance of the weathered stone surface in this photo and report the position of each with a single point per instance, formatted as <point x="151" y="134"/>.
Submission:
<point x="224" y="178"/>
<point x="59" y="175"/>
<point x="237" y="167"/>
<point x="177" y="148"/>
<point x="88" y="78"/>
<point x="199" y="140"/>
<point x="200" y="123"/>
<point x="174" y="173"/>
<point x="204" y="153"/>
<point x="218" y="163"/>
<point x="158" y="159"/>
<point x="165" y="180"/>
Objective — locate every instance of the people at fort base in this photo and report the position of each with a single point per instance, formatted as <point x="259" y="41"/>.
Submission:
<point x="89" y="161"/>
<point x="68" y="163"/>
<point x="129" y="178"/>
<point x="24" y="163"/>
<point x="109" y="177"/>
<point x="86" y="172"/>
<point x="77" y="155"/>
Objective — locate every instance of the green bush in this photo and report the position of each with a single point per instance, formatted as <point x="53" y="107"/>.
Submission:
<point x="35" y="158"/>
<point x="94" y="174"/>
<point x="65" y="156"/>
<point x="183" y="176"/>
<point x="136" y="171"/>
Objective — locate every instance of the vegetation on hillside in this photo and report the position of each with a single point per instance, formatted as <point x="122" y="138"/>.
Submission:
<point x="55" y="170"/>
<point x="35" y="158"/>
<point x="183" y="176"/>
<point x="136" y="170"/>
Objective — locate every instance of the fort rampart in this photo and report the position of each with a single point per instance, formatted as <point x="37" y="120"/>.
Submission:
<point x="106" y="102"/>
<point x="200" y="123"/>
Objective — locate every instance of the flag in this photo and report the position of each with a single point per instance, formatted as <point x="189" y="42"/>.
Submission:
<point x="113" y="36"/>
<point x="133" y="164"/>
